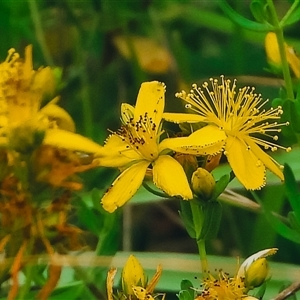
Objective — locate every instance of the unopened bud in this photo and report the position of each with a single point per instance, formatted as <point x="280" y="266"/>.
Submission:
<point x="132" y="275"/>
<point x="254" y="270"/>
<point x="257" y="273"/>
<point x="203" y="183"/>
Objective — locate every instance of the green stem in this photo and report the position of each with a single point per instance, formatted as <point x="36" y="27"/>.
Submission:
<point x="154" y="192"/>
<point x="281" y="45"/>
<point x="40" y="36"/>
<point x="198" y="218"/>
<point x="203" y="256"/>
<point x="290" y="11"/>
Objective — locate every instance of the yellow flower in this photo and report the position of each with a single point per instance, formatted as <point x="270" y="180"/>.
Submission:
<point x="151" y="56"/>
<point x="273" y="55"/>
<point x="225" y="287"/>
<point x="237" y="124"/>
<point x="134" y="281"/>
<point x="135" y="147"/>
<point x="23" y="120"/>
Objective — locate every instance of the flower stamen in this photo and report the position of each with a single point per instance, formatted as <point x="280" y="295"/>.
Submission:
<point x="141" y="136"/>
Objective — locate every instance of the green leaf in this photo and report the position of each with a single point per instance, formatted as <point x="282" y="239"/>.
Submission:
<point x="220" y="186"/>
<point x="293" y="17"/>
<point x="292" y="191"/>
<point x="278" y="225"/>
<point x="184" y="295"/>
<point x="257" y="8"/>
<point x="293" y="108"/>
<point x="90" y="217"/>
<point x="243" y="22"/>
<point x="187" y="218"/>
<point x="212" y="218"/>
<point x="294" y="222"/>
<point x="288" y="132"/>
<point x="187" y="292"/>
<point x="261" y="291"/>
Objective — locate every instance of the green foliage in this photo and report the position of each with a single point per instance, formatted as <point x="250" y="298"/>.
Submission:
<point x="256" y="7"/>
<point x="259" y="10"/>
<point x="202" y="217"/>
<point x="287" y="228"/>
<point x="186" y="291"/>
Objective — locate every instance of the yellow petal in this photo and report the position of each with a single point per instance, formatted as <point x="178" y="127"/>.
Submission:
<point x="293" y="60"/>
<point x="272" y="50"/>
<point x="273" y="54"/>
<point x="266" y="159"/>
<point x="169" y="176"/>
<point x="27" y="65"/>
<point x="116" y="153"/>
<point x="181" y="118"/>
<point x="247" y="167"/>
<point x="69" y="140"/>
<point x="125" y="186"/>
<point x="132" y="275"/>
<point x="44" y="82"/>
<point x="127" y="112"/>
<point x="61" y="117"/>
<point x="150" y="100"/>
<point x="207" y="140"/>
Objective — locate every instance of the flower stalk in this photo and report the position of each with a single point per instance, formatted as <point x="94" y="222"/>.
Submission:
<point x="198" y="218"/>
<point x="280" y="39"/>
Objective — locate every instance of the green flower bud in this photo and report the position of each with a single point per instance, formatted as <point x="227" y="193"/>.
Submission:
<point x="203" y="183"/>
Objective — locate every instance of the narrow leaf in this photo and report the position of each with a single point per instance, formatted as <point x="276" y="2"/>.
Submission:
<point x="243" y="22"/>
<point x="292" y="191"/>
<point x="187" y="218"/>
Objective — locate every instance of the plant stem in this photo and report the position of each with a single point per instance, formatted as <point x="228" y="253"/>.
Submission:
<point x="203" y="257"/>
<point x="40" y="36"/>
<point x="198" y="218"/>
<point x="290" y="11"/>
<point x="154" y="192"/>
<point x="281" y="45"/>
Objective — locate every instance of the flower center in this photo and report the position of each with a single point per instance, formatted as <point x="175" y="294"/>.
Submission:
<point x="141" y="135"/>
<point x="237" y="113"/>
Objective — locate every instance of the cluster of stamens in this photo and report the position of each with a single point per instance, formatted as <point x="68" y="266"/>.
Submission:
<point x="236" y="113"/>
<point x="9" y="76"/>
<point x="222" y="287"/>
<point x="140" y="135"/>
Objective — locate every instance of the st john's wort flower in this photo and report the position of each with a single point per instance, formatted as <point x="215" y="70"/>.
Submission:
<point x="237" y="124"/>
<point x="224" y="287"/>
<point x="24" y="121"/>
<point x="136" y="148"/>
<point x="135" y="285"/>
